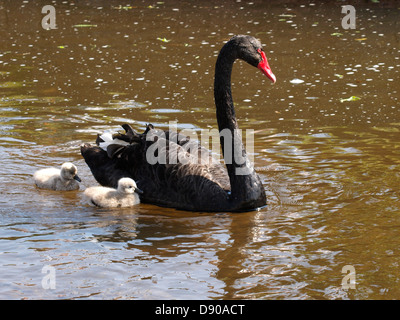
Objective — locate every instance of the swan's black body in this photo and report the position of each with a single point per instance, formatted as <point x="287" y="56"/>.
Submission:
<point x="191" y="185"/>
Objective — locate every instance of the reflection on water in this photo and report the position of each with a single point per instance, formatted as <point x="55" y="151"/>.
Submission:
<point x="329" y="162"/>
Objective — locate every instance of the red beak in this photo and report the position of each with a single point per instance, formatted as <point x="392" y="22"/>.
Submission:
<point x="265" y="68"/>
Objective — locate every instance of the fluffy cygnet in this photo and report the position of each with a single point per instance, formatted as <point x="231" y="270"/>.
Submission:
<point x="65" y="178"/>
<point x="126" y="195"/>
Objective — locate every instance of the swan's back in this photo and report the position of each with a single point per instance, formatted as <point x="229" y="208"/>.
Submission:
<point x="182" y="181"/>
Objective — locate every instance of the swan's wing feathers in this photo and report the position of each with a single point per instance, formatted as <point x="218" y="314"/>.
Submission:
<point x="99" y="139"/>
<point x="114" y="150"/>
<point x="167" y="145"/>
<point x="148" y="128"/>
<point x="168" y="185"/>
<point x="178" y="138"/>
<point x="183" y="172"/>
<point x="130" y="135"/>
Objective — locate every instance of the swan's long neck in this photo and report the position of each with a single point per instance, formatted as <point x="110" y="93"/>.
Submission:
<point x="246" y="187"/>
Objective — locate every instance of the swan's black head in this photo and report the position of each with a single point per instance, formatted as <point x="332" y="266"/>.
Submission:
<point x="250" y="50"/>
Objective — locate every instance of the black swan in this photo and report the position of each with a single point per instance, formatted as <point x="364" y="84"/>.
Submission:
<point x="191" y="184"/>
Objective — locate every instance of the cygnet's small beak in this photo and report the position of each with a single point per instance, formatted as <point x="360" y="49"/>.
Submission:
<point x="138" y="191"/>
<point x="77" y="178"/>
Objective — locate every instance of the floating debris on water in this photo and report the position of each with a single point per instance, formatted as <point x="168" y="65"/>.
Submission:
<point x="352" y="98"/>
<point x="296" y="81"/>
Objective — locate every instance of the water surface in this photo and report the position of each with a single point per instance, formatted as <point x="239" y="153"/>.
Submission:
<point x="330" y="167"/>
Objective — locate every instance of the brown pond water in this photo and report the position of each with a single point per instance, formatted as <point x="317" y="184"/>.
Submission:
<point x="330" y="167"/>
